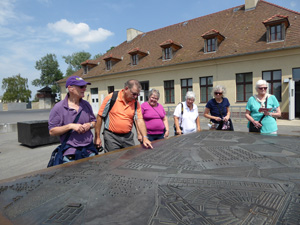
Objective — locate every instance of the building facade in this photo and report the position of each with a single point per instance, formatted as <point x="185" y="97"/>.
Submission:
<point x="235" y="47"/>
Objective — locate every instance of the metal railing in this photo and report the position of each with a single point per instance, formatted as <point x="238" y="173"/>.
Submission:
<point x="237" y="112"/>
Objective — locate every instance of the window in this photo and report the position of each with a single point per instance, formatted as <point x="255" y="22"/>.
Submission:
<point x="276" y="27"/>
<point x="243" y="86"/>
<point x="134" y="59"/>
<point x="274" y="79"/>
<point x="167" y="53"/>
<point x="169" y="91"/>
<point x="85" y="69"/>
<point x="186" y="85"/>
<point x="211" y="45"/>
<point x="108" y="64"/>
<point x="110" y="89"/>
<point x="206" y="85"/>
<point x="276" y="33"/>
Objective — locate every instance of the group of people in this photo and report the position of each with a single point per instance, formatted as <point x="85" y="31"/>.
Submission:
<point x="72" y="118"/>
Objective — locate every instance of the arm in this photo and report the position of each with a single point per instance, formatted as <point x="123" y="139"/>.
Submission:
<point x="208" y="116"/>
<point x="198" y="123"/>
<point x="249" y="117"/>
<point x="142" y="129"/>
<point x="176" y="122"/>
<point x="226" y="118"/>
<point x="276" y="114"/>
<point x="166" y="123"/>
<point x="97" y="140"/>
<point x="79" y="128"/>
<point x="139" y="134"/>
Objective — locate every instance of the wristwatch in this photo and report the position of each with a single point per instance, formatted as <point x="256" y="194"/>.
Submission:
<point x="91" y="125"/>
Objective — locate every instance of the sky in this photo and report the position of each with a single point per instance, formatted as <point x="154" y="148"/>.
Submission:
<point x="31" y="29"/>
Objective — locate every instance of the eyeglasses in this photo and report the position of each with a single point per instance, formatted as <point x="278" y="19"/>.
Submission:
<point x="153" y="98"/>
<point x="134" y="93"/>
<point x="262" y="88"/>
<point x="218" y="93"/>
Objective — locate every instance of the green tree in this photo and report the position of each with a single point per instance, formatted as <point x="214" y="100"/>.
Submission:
<point x="97" y="56"/>
<point x="74" y="61"/>
<point x="16" y="89"/>
<point x="50" y="72"/>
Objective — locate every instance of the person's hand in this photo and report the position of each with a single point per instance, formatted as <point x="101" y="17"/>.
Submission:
<point x="97" y="142"/>
<point x="147" y="143"/>
<point x="166" y="134"/>
<point x="226" y="118"/>
<point x="140" y="138"/>
<point x="79" y="128"/>
<point x="218" y="119"/>
<point x="257" y="124"/>
<point x="179" y="132"/>
<point x="198" y="129"/>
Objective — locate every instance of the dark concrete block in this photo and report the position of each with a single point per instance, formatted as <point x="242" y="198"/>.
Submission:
<point x="35" y="133"/>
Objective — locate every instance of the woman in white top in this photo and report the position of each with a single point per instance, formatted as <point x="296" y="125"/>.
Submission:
<point x="186" y="116"/>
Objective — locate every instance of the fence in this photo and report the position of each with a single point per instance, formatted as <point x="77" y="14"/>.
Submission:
<point x="237" y="112"/>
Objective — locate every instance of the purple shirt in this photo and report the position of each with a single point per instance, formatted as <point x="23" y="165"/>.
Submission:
<point x="62" y="115"/>
<point x="153" y="117"/>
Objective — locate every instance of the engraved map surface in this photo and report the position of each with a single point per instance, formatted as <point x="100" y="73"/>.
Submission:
<point x="210" y="177"/>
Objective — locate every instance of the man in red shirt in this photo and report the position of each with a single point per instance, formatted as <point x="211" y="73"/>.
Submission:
<point x="119" y="120"/>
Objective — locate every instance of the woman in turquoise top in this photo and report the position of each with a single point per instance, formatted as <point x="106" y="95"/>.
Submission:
<point x="268" y="124"/>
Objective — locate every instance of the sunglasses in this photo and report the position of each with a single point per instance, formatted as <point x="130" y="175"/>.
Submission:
<point x="218" y="93"/>
<point x="262" y="88"/>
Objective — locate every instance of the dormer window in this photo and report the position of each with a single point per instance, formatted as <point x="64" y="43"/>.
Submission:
<point x="276" y="27"/>
<point x="167" y="53"/>
<point x="108" y="64"/>
<point x="110" y="61"/>
<point x="169" y="49"/>
<point x="88" y="65"/>
<point x="136" y="55"/>
<point x="211" y="45"/>
<point x="212" y="39"/>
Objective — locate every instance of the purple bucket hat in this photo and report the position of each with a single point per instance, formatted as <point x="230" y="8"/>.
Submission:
<point x="75" y="80"/>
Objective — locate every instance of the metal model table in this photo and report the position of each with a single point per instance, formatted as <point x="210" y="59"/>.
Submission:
<point x="210" y="177"/>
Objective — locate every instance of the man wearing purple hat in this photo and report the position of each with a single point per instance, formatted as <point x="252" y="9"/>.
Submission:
<point x="61" y="121"/>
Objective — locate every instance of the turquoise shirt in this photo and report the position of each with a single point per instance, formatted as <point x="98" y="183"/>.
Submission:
<point x="268" y="122"/>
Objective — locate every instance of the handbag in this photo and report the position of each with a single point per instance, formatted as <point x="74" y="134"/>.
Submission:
<point x="56" y="157"/>
<point x="253" y="128"/>
<point x="224" y="125"/>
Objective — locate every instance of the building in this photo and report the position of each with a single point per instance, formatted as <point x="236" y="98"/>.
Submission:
<point x="234" y="47"/>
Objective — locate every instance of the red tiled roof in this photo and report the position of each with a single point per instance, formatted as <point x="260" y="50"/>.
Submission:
<point x="111" y="57"/>
<point x="244" y="31"/>
<point x="277" y="18"/>
<point x="90" y="62"/>
<point x="137" y="51"/>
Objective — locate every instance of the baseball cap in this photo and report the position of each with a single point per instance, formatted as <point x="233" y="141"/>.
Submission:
<point x="75" y="80"/>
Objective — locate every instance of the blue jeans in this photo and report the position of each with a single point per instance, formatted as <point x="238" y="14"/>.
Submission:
<point x="153" y="137"/>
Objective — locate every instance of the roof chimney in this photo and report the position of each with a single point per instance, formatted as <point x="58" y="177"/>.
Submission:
<point x="132" y="33"/>
<point x="250" y="4"/>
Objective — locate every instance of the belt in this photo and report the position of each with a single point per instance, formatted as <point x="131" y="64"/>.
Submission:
<point x="119" y="134"/>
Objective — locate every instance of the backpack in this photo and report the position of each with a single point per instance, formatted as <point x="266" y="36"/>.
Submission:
<point x="113" y="101"/>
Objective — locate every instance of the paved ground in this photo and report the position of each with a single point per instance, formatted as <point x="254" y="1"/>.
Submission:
<point x="16" y="159"/>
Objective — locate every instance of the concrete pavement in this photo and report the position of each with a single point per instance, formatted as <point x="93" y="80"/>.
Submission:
<point x="16" y="159"/>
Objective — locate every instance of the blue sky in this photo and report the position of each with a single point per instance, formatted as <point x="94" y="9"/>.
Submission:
<point x="30" y="29"/>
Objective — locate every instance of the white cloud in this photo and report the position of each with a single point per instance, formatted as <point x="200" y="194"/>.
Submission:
<point x="6" y="11"/>
<point x="80" y="32"/>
